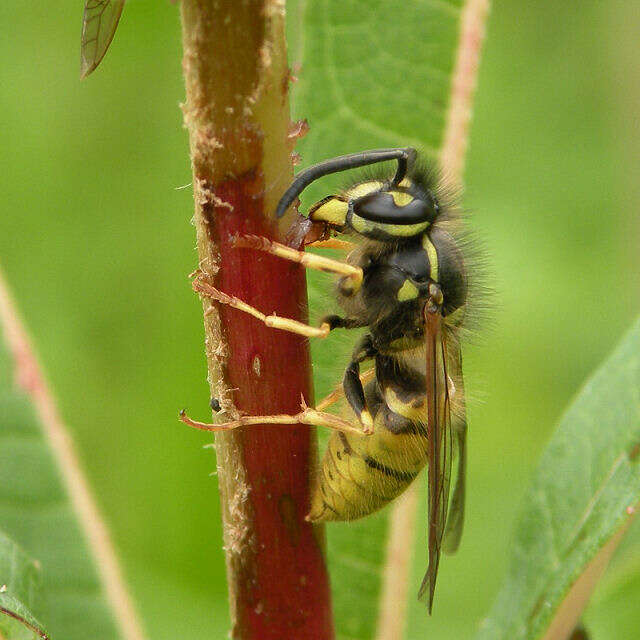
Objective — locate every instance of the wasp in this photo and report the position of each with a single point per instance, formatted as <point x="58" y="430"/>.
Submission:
<point x="404" y="280"/>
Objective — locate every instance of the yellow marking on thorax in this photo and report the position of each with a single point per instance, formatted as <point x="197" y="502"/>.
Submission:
<point x="408" y="291"/>
<point x="429" y="247"/>
<point x="405" y="409"/>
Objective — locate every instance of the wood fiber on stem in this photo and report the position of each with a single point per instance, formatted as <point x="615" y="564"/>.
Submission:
<point x="237" y="115"/>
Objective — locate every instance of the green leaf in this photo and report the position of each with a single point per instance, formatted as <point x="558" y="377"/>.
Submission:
<point x="36" y="513"/>
<point x="19" y="592"/>
<point x="583" y="494"/>
<point x="363" y="85"/>
<point x="609" y="616"/>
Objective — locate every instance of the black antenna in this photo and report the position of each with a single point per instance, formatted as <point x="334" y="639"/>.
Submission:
<point x="404" y="155"/>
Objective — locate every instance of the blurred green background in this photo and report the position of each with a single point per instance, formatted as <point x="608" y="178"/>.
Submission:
<point x="96" y="243"/>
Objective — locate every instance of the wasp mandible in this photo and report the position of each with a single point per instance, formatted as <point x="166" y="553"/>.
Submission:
<point x="404" y="280"/>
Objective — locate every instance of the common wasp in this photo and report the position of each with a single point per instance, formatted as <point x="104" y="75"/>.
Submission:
<point x="404" y="280"/>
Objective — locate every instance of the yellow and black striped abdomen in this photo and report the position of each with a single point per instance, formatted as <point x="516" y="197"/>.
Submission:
<point x="360" y="474"/>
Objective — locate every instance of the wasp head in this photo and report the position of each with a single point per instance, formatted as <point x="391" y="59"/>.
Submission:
<point x="379" y="210"/>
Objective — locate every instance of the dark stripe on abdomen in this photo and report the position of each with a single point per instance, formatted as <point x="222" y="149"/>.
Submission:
<point x="401" y="476"/>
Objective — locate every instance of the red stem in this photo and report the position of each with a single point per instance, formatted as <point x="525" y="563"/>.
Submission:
<point x="237" y="113"/>
<point x="284" y="592"/>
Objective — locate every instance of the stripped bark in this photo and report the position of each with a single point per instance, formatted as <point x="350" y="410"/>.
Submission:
<point x="237" y="114"/>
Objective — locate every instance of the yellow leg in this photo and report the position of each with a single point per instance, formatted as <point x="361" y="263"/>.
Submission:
<point x="309" y="260"/>
<point x="333" y="243"/>
<point x="338" y="392"/>
<point x="273" y="321"/>
<point x="307" y="416"/>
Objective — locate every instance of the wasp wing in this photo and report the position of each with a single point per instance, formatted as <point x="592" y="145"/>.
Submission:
<point x="455" y="517"/>
<point x="439" y="447"/>
<point x="99" y="23"/>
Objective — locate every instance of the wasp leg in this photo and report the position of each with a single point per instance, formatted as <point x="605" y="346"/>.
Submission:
<point x="338" y="392"/>
<point x="352" y="384"/>
<point x="273" y="321"/>
<point x="352" y="274"/>
<point x="330" y="398"/>
<point x="332" y="243"/>
<point x="307" y="416"/>
<point x="338" y="322"/>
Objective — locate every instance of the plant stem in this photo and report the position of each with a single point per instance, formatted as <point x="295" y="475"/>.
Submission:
<point x="237" y="114"/>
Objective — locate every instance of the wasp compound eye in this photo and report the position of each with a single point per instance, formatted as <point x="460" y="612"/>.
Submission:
<point x="390" y="215"/>
<point x="381" y="207"/>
